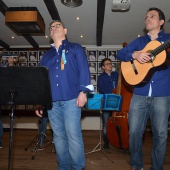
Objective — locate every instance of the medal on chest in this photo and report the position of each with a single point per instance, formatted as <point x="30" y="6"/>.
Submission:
<point x="63" y="59"/>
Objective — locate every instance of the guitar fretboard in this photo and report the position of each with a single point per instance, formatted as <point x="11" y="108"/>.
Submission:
<point x="161" y="48"/>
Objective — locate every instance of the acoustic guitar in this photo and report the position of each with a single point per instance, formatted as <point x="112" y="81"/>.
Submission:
<point x="135" y="73"/>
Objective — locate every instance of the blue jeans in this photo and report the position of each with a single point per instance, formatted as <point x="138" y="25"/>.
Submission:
<point x="65" y="120"/>
<point x="141" y="109"/>
<point x="105" y="116"/>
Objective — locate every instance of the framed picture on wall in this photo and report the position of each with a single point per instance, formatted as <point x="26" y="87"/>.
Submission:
<point x="14" y="52"/>
<point x="93" y="78"/>
<point x="23" y="64"/>
<point x="23" y="55"/>
<point x="32" y="64"/>
<point x="100" y="70"/>
<point x="93" y="67"/>
<point x="4" y="51"/>
<point x="92" y="55"/>
<point x="101" y="55"/>
<point x="112" y="55"/>
<point x="118" y="65"/>
<point x="40" y="54"/>
<point x="33" y="56"/>
<point x="95" y="89"/>
<point x="115" y="67"/>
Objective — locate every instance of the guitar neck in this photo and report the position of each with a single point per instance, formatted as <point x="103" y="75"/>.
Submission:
<point x="161" y="48"/>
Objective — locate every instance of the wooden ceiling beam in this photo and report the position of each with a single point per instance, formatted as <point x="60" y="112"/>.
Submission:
<point x="29" y="38"/>
<point x="3" y="9"/>
<point x="100" y="20"/>
<point x="52" y="9"/>
<point x="4" y="45"/>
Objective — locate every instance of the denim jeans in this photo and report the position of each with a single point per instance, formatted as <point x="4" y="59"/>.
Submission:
<point x="105" y="117"/>
<point x="65" y="120"/>
<point x="141" y="109"/>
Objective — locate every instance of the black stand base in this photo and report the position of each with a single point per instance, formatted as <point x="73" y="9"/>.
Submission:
<point x="99" y="147"/>
<point x="36" y="143"/>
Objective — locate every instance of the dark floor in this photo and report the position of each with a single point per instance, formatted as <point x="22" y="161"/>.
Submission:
<point x="23" y="158"/>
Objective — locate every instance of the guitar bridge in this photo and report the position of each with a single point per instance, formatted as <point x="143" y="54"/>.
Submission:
<point x="134" y="67"/>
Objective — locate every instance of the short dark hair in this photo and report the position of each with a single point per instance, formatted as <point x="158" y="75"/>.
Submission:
<point x="105" y="59"/>
<point x="160" y="12"/>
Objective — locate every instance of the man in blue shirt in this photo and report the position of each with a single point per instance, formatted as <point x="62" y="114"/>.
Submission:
<point x="149" y="100"/>
<point x="70" y="80"/>
<point x="107" y="81"/>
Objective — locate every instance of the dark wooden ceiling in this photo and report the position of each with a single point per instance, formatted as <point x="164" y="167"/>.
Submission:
<point x="52" y="9"/>
<point x="98" y="24"/>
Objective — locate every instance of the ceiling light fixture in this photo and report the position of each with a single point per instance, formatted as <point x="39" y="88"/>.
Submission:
<point x="72" y="3"/>
<point x="121" y="5"/>
<point x="25" y="20"/>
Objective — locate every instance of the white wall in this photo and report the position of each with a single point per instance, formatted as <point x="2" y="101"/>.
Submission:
<point x="31" y="122"/>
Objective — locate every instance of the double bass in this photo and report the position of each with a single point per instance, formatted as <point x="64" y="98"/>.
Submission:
<point x="117" y="125"/>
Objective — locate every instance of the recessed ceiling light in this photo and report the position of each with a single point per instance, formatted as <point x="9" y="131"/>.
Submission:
<point x="46" y="36"/>
<point x="81" y="36"/>
<point x="138" y="35"/>
<point x="12" y="36"/>
<point x="72" y="3"/>
<point x="78" y="18"/>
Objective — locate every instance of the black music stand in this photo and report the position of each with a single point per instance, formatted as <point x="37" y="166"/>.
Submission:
<point x="23" y="86"/>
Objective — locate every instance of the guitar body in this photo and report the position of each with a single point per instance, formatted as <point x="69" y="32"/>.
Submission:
<point x="143" y="70"/>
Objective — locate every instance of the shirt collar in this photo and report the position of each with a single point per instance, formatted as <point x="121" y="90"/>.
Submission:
<point x="64" y="45"/>
<point x="160" y="34"/>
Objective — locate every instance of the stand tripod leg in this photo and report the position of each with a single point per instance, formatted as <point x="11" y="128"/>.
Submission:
<point x="40" y="141"/>
<point x="100" y="141"/>
<point x="11" y="138"/>
<point x="37" y="141"/>
<point x="99" y="145"/>
<point x="31" y="143"/>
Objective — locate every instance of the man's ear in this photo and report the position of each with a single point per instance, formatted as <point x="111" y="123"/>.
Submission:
<point x="65" y="30"/>
<point x="161" y="22"/>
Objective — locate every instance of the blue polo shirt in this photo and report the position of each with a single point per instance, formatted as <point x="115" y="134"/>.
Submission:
<point x="106" y="83"/>
<point x="160" y="81"/>
<point x="67" y="83"/>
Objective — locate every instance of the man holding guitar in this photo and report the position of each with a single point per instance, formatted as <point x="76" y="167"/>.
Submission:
<point x="151" y="97"/>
